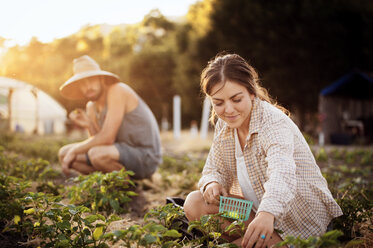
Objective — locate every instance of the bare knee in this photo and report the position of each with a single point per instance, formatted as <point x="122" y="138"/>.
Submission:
<point x="95" y="156"/>
<point x="194" y="205"/>
<point x="99" y="158"/>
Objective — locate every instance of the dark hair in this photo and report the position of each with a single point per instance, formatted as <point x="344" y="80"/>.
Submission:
<point x="232" y="67"/>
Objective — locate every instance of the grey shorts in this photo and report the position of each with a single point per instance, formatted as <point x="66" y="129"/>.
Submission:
<point x="140" y="160"/>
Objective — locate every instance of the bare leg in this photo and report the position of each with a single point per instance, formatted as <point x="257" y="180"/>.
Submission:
<point x="80" y="165"/>
<point x="105" y="158"/>
<point x="195" y="206"/>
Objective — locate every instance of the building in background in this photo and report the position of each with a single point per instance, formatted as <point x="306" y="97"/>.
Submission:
<point x="24" y="108"/>
<point x="346" y="110"/>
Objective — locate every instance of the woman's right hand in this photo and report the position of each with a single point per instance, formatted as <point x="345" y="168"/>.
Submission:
<point x="213" y="192"/>
<point x="80" y="118"/>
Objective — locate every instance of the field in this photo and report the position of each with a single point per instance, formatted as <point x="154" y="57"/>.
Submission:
<point x="40" y="207"/>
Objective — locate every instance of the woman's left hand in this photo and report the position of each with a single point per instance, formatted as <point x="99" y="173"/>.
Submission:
<point x="259" y="231"/>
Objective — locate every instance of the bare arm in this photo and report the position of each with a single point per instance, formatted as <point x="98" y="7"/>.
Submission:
<point x="117" y="102"/>
<point x="93" y="128"/>
<point x="119" y="97"/>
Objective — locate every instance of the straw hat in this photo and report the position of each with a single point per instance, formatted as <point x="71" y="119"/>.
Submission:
<point x="84" y="67"/>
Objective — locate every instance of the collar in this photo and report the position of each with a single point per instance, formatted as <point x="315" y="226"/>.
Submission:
<point x="256" y="118"/>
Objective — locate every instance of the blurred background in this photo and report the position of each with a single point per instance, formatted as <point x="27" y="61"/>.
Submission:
<point x="314" y="56"/>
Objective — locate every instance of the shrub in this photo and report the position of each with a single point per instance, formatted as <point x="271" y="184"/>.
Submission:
<point x="108" y="192"/>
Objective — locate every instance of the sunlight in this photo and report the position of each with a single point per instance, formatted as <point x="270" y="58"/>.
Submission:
<point x="48" y="20"/>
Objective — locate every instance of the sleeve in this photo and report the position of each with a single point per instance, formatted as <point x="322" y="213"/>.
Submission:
<point x="280" y="188"/>
<point x="212" y="171"/>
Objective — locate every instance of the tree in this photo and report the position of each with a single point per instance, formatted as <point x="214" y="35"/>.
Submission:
<point x="298" y="47"/>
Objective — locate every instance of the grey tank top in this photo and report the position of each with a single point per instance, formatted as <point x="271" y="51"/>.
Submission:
<point x="139" y="129"/>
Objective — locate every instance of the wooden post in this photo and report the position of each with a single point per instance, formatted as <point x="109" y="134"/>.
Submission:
<point x="177" y="116"/>
<point x="10" y="94"/>
<point x="205" y="118"/>
<point x="34" y="92"/>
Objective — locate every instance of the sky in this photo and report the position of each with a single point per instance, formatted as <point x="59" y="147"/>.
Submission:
<point x="20" y="20"/>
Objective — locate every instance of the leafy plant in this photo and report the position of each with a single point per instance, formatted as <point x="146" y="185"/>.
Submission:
<point x="149" y="235"/>
<point x="329" y="239"/>
<point x="32" y="169"/>
<point x="321" y="156"/>
<point x="211" y="228"/>
<point x="69" y="226"/>
<point x="357" y="209"/>
<point x="108" y="192"/>
<point x="168" y="215"/>
<point x="32" y="146"/>
<point x="12" y="191"/>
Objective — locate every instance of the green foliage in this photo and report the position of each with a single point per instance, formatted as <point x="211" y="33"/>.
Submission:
<point x="32" y="146"/>
<point x="166" y="215"/>
<point x="170" y="217"/>
<point x="357" y="209"/>
<point x="182" y="172"/>
<point x="367" y="158"/>
<point x="38" y="170"/>
<point x="321" y="156"/>
<point x="149" y="235"/>
<point x="108" y="192"/>
<point x="210" y="226"/>
<point x="353" y="188"/>
<point x="59" y="225"/>
<point x="178" y="164"/>
<point x="161" y="229"/>
<point x="337" y="153"/>
<point x="26" y="169"/>
<point x="356" y="157"/>
<point x="329" y="239"/>
<point x="12" y="191"/>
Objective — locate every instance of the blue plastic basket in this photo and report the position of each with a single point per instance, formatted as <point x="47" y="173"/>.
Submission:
<point x="235" y="208"/>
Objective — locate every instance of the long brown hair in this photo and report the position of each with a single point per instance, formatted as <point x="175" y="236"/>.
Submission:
<point x="232" y="67"/>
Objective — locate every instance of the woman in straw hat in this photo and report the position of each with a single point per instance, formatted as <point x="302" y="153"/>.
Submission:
<point x="259" y="154"/>
<point x="123" y="130"/>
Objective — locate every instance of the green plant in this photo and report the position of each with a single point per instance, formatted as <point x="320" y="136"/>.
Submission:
<point x="211" y="228"/>
<point x="352" y="188"/>
<point x="357" y="209"/>
<point x="33" y="146"/>
<point x="329" y="239"/>
<point x="108" y="192"/>
<point x="149" y="235"/>
<point x="32" y="169"/>
<point x="185" y="168"/>
<point x="12" y="193"/>
<point x="367" y="158"/>
<point x="337" y="153"/>
<point x="167" y="215"/>
<point x="350" y="157"/>
<point x="322" y="156"/>
<point x="50" y="187"/>
<point x="69" y="226"/>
